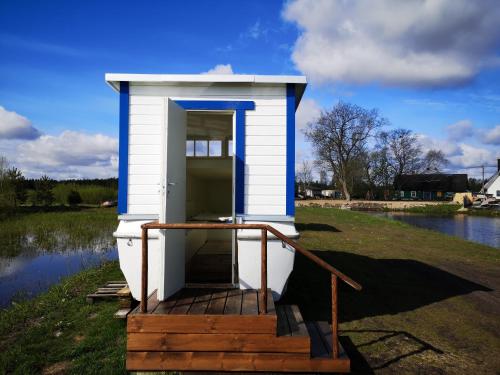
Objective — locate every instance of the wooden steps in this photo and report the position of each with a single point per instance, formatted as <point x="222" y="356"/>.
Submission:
<point x="201" y="329"/>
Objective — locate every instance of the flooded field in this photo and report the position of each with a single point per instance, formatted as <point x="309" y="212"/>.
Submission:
<point x="37" y="250"/>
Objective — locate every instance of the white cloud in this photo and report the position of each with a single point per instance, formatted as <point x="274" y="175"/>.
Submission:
<point x="461" y="155"/>
<point x="448" y="148"/>
<point x="220" y="69"/>
<point x="460" y="130"/>
<point x="492" y="136"/>
<point x="70" y="154"/>
<point x="15" y="126"/>
<point x="471" y="156"/>
<point x="408" y="43"/>
<point x="308" y="111"/>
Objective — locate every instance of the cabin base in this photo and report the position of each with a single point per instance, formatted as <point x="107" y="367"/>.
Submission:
<point x="201" y="329"/>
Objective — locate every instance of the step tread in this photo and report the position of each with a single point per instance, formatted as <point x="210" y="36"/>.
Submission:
<point x="290" y="321"/>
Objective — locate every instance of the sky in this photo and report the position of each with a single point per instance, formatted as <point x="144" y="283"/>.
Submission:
<point x="429" y="66"/>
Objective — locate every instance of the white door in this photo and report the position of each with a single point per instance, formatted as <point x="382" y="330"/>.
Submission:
<point x="173" y="200"/>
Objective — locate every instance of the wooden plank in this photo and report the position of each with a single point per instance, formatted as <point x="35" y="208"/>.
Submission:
<point x="100" y="296"/>
<point x="124" y="292"/>
<point x="270" y="302"/>
<point x="249" y="304"/>
<point x="164" y="307"/>
<point x="106" y="291"/>
<point x="283" y="328"/>
<point x="215" y="361"/>
<point x="122" y="313"/>
<point x="152" y="303"/>
<point x="239" y="342"/>
<point x="295" y="320"/>
<point x="217" y="303"/>
<point x="318" y="349"/>
<point x="233" y="303"/>
<point x="325" y="330"/>
<point x="200" y="304"/>
<point x="184" y="302"/>
<point x="159" y="323"/>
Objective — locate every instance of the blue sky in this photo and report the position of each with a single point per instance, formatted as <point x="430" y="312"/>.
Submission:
<point x="433" y="69"/>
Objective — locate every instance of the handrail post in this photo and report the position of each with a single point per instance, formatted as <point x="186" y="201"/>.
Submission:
<point x="144" y="273"/>
<point x="263" y="273"/>
<point x="335" y="310"/>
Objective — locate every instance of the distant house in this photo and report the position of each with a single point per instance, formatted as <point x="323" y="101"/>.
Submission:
<point x="492" y="186"/>
<point x="327" y="193"/>
<point x="312" y="192"/>
<point x="436" y="186"/>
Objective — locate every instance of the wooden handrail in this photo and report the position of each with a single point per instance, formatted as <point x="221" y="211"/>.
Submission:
<point x="264" y="228"/>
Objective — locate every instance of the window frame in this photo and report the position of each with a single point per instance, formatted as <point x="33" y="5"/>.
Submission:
<point x="224" y="147"/>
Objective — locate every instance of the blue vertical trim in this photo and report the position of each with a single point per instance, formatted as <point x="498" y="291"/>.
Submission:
<point x="123" y="149"/>
<point x="239" y="200"/>
<point x="290" y="149"/>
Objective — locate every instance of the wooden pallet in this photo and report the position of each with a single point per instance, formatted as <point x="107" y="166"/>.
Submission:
<point x="111" y="290"/>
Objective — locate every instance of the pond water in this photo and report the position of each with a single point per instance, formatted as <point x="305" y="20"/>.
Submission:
<point x="31" y="263"/>
<point x="482" y="229"/>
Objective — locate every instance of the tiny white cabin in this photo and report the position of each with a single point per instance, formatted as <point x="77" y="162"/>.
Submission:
<point x="206" y="148"/>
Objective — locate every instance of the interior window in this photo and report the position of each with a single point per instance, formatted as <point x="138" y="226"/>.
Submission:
<point x="201" y="148"/>
<point x="214" y="148"/>
<point x="230" y="147"/>
<point x="189" y="148"/>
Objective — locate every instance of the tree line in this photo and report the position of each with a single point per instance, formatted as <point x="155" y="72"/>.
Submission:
<point x="17" y="190"/>
<point x="349" y="143"/>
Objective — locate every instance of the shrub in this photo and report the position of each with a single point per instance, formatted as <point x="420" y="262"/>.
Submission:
<point x="74" y="198"/>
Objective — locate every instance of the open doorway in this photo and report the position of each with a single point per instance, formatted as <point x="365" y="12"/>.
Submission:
<point x="209" y="196"/>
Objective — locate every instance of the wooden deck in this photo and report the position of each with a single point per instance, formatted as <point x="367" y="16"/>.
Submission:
<point x="217" y="329"/>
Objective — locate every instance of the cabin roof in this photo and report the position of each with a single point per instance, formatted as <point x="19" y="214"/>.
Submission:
<point x="114" y="79"/>
<point x="433" y="182"/>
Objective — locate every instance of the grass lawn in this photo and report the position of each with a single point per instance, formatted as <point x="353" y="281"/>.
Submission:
<point x="59" y="333"/>
<point x="430" y="304"/>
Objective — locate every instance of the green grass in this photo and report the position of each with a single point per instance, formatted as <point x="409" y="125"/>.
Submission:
<point x="429" y="303"/>
<point x="59" y="327"/>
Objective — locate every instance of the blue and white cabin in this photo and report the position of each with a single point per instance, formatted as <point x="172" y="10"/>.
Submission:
<point x="206" y="148"/>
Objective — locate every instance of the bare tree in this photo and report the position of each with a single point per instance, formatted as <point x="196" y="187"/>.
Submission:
<point x="339" y="138"/>
<point x="434" y="161"/>
<point x="404" y="154"/>
<point x="304" y="174"/>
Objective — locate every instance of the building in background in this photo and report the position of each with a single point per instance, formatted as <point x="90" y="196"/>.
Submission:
<point x="435" y="186"/>
<point x="492" y="186"/>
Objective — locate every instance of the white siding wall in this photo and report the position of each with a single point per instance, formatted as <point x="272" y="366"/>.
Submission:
<point x="495" y="186"/>
<point x="265" y="143"/>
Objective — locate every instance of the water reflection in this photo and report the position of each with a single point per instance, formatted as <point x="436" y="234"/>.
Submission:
<point x="485" y="230"/>
<point x="33" y="260"/>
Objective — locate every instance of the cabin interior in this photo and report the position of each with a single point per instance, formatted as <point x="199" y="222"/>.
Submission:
<point x="209" y="196"/>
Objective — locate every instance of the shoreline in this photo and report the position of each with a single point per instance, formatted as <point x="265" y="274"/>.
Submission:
<point x="421" y="207"/>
